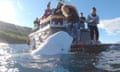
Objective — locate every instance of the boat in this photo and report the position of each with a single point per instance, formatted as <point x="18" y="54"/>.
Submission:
<point x="48" y="27"/>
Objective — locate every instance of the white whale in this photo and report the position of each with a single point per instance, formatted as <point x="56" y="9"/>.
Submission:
<point x="58" y="43"/>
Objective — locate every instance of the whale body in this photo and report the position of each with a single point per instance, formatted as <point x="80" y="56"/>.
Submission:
<point x="58" y="43"/>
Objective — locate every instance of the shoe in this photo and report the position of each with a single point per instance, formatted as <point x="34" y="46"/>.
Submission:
<point x="74" y="40"/>
<point x="97" y="42"/>
<point x="93" y="42"/>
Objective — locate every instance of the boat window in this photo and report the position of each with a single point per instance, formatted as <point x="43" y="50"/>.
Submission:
<point x="44" y="25"/>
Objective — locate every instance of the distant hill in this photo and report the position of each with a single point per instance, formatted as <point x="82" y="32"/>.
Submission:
<point x="12" y="33"/>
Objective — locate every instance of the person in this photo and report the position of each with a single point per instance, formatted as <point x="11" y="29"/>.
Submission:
<point x="36" y="24"/>
<point x="58" y="12"/>
<point x="48" y="11"/>
<point x="82" y="20"/>
<point x="93" y="21"/>
<point x="72" y="20"/>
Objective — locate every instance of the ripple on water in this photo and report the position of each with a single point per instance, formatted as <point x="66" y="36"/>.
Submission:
<point x="110" y="59"/>
<point x="13" y="58"/>
<point x="4" y="59"/>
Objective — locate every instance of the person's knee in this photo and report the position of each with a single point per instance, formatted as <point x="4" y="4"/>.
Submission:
<point x="66" y="25"/>
<point x="76" y="24"/>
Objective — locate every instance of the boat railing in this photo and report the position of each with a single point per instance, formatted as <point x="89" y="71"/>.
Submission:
<point x="53" y="21"/>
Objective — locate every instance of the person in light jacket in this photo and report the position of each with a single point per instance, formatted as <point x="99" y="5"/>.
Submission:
<point x="93" y="21"/>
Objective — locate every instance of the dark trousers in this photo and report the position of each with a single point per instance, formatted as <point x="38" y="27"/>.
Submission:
<point x="94" y="33"/>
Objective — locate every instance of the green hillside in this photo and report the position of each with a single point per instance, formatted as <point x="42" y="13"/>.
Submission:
<point x="11" y="33"/>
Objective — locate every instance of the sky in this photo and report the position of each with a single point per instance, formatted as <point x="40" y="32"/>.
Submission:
<point x="24" y="12"/>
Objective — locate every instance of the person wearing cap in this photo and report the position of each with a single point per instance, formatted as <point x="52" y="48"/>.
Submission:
<point x="93" y="21"/>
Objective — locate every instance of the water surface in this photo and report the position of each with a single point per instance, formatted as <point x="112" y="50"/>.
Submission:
<point x="16" y="58"/>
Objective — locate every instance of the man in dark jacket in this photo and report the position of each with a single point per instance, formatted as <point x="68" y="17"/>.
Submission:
<point x="82" y="21"/>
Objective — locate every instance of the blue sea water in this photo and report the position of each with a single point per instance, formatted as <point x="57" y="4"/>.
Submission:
<point x="16" y="58"/>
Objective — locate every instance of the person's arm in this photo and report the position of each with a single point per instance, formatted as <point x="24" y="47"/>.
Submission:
<point x="97" y="20"/>
<point x="89" y="20"/>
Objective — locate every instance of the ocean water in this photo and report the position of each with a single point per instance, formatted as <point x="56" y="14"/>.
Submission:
<point x="16" y="58"/>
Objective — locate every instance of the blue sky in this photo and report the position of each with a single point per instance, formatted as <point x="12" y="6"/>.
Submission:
<point x="23" y="12"/>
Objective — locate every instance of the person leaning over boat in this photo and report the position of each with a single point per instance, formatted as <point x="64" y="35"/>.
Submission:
<point x="93" y="21"/>
<point x="82" y="20"/>
<point x="72" y="20"/>
<point x="36" y="24"/>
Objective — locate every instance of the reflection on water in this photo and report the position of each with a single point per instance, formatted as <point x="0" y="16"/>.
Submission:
<point x="15" y="58"/>
<point x="5" y="64"/>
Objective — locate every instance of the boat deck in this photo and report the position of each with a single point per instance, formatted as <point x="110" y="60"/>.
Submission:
<point x="83" y="44"/>
<point x="90" y="48"/>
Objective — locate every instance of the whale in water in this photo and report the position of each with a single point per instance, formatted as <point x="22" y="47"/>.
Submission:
<point x="57" y="43"/>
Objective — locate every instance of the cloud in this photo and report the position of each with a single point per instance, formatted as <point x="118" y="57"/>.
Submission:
<point x="111" y="26"/>
<point x="8" y="13"/>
